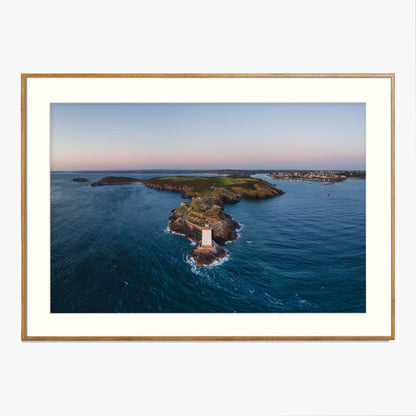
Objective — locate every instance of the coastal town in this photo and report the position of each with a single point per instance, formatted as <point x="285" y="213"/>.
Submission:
<point x="328" y="177"/>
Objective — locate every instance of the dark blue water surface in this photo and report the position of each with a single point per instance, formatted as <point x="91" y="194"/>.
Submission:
<point x="111" y="252"/>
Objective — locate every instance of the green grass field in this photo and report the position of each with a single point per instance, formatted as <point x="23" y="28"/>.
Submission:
<point x="184" y="178"/>
<point x="206" y="185"/>
<point x="201" y="181"/>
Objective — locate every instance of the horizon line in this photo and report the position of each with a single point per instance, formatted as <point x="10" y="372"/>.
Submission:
<point x="202" y="169"/>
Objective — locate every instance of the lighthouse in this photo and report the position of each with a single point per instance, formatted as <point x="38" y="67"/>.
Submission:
<point x="206" y="236"/>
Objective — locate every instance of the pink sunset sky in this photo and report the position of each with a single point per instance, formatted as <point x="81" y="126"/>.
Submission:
<point x="207" y="136"/>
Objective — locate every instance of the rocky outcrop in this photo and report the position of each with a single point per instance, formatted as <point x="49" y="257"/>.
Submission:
<point x="180" y="226"/>
<point x="80" y="180"/>
<point x="205" y="256"/>
<point x="224" y="229"/>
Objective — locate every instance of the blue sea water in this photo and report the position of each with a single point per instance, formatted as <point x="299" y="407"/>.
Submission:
<point x="111" y="251"/>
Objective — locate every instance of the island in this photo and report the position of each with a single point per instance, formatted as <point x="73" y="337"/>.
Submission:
<point x="80" y="180"/>
<point x="202" y="219"/>
<point x="116" y="180"/>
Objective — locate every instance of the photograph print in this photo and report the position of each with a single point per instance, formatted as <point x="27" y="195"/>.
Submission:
<point x="208" y="208"/>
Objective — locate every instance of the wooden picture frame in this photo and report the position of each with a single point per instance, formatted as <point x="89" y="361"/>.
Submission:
<point x="39" y="90"/>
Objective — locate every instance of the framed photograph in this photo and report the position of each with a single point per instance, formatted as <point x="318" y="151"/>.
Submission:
<point x="207" y="206"/>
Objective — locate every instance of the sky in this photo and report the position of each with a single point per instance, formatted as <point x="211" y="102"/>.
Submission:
<point x="207" y="136"/>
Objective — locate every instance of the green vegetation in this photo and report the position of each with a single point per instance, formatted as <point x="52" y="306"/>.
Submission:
<point x="230" y="180"/>
<point x="196" y="220"/>
<point x="180" y="210"/>
<point x="212" y="190"/>
<point x="182" y="178"/>
<point x="209" y="194"/>
<point x="199" y="206"/>
<point x="206" y="186"/>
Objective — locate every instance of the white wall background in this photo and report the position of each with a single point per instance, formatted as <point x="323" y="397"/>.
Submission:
<point x="261" y="378"/>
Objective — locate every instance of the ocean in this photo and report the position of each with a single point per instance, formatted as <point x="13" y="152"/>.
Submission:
<point x="111" y="252"/>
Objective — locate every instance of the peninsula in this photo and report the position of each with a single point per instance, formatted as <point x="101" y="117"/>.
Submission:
<point x="202" y="218"/>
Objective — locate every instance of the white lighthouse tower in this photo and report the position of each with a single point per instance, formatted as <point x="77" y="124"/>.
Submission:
<point x="206" y="236"/>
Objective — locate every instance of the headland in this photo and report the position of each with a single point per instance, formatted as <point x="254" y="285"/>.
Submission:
<point x="207" y="195"/>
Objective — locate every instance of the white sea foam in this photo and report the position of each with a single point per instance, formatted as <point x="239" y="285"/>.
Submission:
<point x="167" y="230"/>
<point x="174" y="232"/>
<point x="194" y="267"/>
<point x="218" y="262"/>
<point x="183" y="235"/>
<point x="198" y="269"/>
<point x="238" y="231"/>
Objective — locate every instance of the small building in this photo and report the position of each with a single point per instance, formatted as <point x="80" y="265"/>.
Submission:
<point x="206" y="237"/>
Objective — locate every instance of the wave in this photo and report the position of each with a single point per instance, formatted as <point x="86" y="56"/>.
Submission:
<point x="238" y="231"/>
<point x="167" y="230"/>
<point x="218" y="262"/>
<point x="198" y="270"/>
<point x="191" y="262"/>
